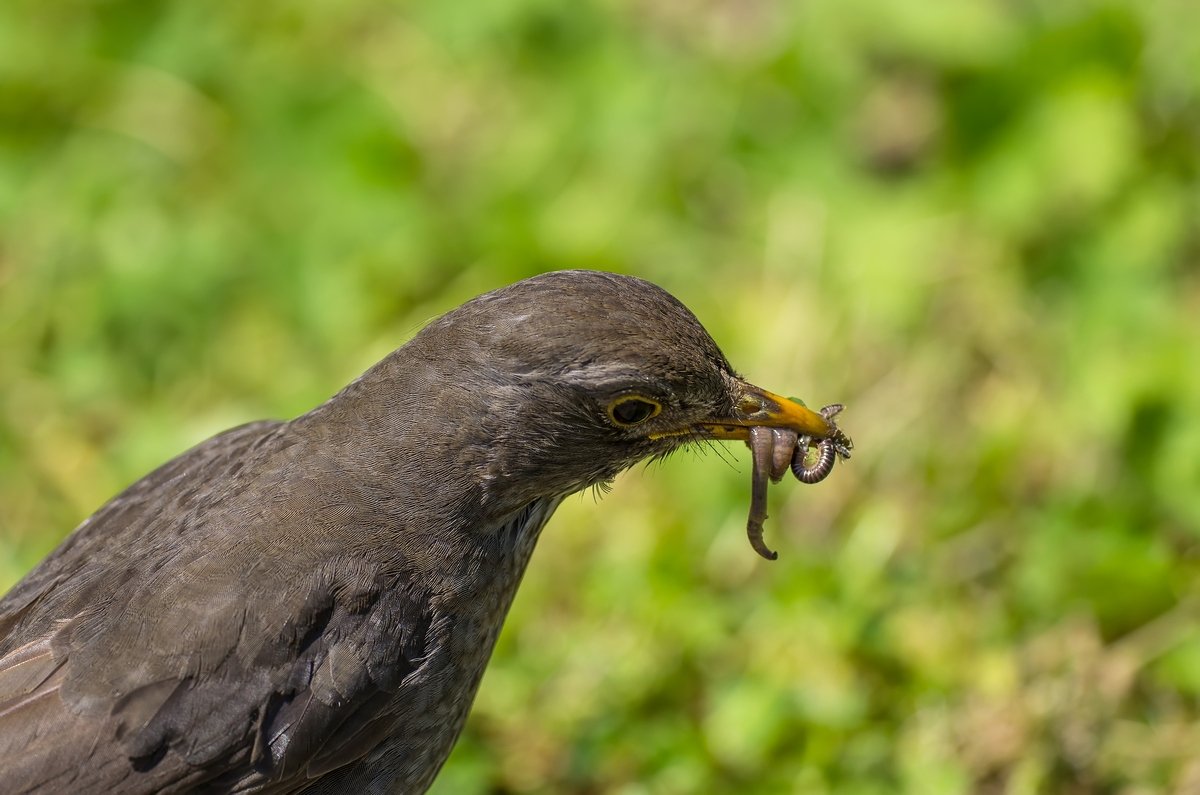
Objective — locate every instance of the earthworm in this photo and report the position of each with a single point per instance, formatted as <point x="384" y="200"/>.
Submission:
<point x="762" y="444"/>
<point x="772" y="451"/>
<point x="783" y="443"/>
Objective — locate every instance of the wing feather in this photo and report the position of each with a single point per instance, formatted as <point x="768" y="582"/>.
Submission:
<point x="169" y="667"/>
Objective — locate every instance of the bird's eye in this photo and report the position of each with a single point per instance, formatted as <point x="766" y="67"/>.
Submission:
<point x="632" y="410"/>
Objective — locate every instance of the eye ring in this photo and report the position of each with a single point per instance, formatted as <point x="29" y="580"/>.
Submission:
<point x="629" y="410"/>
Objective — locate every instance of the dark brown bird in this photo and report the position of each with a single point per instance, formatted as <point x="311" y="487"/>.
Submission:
<point x="309" y="605"/>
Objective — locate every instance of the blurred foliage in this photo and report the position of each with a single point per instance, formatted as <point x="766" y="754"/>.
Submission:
<point x="973" y="221"/>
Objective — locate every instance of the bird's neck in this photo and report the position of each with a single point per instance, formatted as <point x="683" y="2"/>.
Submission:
<point x="425" y="447"/>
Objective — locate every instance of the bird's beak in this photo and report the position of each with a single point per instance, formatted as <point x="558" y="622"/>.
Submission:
<point x="756" y="407"/>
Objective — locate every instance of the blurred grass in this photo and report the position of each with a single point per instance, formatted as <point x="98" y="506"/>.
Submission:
<point x="974" y="222"/>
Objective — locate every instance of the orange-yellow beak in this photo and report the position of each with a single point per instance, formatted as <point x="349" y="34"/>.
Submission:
<point x="756" y="407"/>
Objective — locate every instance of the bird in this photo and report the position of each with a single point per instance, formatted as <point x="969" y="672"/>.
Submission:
<point x="309" y="605"/>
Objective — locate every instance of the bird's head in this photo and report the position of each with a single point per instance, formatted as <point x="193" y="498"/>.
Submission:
<point x="560" y="381"/>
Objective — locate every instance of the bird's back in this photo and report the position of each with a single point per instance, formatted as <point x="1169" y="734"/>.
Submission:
<point x="179" y="640"/>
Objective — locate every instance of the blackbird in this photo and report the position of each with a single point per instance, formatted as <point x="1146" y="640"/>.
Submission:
<point x="308" y="606"/>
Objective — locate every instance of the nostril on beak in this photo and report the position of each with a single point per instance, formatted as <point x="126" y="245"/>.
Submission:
<point x="748" y="404"/>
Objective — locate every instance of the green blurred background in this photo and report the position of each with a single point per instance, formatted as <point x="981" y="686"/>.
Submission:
<point x="973" y="221"/>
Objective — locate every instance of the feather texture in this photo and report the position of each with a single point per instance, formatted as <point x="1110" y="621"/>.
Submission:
<point x="309" y="605"/>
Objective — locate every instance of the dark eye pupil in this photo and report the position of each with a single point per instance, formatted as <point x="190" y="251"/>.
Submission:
<point x="633" y="411"/>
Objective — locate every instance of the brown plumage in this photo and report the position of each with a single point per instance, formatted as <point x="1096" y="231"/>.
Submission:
<point x="309" y="605"/>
